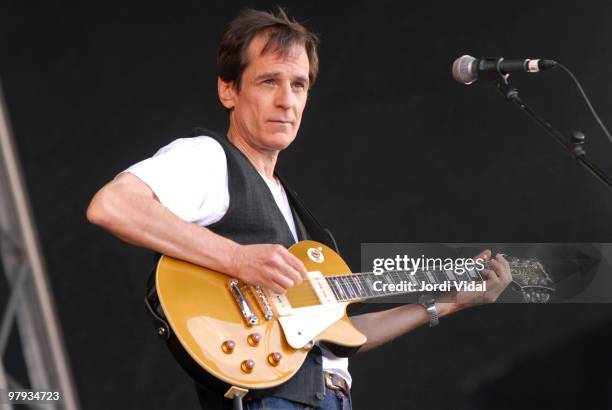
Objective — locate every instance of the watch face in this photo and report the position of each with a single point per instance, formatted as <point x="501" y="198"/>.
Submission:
<point x="427" y="300"/>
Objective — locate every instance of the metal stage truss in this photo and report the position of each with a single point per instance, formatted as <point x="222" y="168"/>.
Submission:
<point x="27" y="308"/>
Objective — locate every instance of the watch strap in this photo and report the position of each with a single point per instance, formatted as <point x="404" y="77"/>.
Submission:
<point x="429" y="303"/>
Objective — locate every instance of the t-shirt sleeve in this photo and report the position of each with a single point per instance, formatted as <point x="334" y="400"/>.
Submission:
<point x="189" y="177"/>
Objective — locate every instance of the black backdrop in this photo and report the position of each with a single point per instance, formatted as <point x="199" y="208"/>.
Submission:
<point x="391" y="150"/>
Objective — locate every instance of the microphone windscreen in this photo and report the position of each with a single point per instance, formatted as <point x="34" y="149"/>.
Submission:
<point x="464" y="69"/>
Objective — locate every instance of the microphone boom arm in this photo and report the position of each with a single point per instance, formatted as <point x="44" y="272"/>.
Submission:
<point x="575" y="148"/>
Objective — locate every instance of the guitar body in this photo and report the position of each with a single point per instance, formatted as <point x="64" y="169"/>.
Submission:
<point x="216" y="343"/>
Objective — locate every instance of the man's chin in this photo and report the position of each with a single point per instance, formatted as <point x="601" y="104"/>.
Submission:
<point x="278" y="141"/>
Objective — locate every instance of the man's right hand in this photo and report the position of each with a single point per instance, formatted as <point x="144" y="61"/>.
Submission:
<point x="271" y="266"/>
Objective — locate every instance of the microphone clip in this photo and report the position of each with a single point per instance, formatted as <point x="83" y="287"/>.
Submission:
<point x="490" y="69"/>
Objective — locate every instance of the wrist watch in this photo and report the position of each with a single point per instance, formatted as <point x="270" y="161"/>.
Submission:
<point x="428" y="301"/>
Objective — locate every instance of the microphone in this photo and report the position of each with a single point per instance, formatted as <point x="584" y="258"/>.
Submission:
<point x="467" y="69"/>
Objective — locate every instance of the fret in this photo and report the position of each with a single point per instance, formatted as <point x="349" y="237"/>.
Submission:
<point x="472" y="273"/>
<point x="402" y="276"/>
<point x="356" y="279"/>
<point x="370" y="285"/>
<point x="371" y="279"/>
<point x="399" y="277"/>
<point x="420" y="276"/>
<point x="440" y="277"/>
<point x="361" y="287"/>
<point x="407" y="277"/>
<point x="349" y="288"/>
<point x="344" y="288"/>
<point x="340" y="288"/>
<point x="352" y="280"/>
<point x="413" y="279"/>
<point x="332" y="284"/>
<point x="425" y="277"/>
<point x="388" y="277"/>
<point x="450" y="275"/>
<point x="379" y="278"/>
<point x="430" y="276"/>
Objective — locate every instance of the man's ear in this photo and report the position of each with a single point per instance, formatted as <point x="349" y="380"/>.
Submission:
<point x="227" y="93"/>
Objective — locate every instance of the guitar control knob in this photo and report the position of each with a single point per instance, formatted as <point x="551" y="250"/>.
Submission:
<point x="228" y="346"/>
<point x="254" y="339"/>
<point x="247" y="366"/>
<point x="274" y="358"/>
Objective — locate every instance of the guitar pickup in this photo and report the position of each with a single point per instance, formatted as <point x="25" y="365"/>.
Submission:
<point x="247" y="313"/>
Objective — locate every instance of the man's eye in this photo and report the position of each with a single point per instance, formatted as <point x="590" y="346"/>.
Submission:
<point x="299" y="85"/>
<point x="268" y="81"/>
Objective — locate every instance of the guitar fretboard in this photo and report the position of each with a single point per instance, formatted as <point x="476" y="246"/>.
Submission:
<point x="368" y="285"/>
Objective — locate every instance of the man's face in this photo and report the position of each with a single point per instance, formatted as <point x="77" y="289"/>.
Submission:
<point x="267" y="110"/>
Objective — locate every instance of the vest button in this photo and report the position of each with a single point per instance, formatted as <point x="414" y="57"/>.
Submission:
<point x="320" y="396"/>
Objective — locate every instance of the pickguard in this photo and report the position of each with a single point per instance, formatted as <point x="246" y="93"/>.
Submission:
<point x="302" y="324"/>
<point x="305" y="323"/>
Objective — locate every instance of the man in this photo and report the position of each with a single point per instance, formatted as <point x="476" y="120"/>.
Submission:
<point x="216" y="201"/>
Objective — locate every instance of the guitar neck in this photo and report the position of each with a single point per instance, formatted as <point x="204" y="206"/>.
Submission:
<point x="369" y="285"/>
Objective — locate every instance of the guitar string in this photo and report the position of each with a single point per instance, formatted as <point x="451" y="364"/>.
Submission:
<point x="361" y="278"/>
<point x="302" y="294"/>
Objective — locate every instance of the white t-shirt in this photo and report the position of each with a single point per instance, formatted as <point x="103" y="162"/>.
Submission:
<point x="189" y="177"/>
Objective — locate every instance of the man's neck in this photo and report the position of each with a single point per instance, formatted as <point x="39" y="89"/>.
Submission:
<point x="264" y="161"/>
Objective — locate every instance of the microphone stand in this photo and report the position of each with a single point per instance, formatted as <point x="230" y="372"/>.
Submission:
<point x="575" y="148"/>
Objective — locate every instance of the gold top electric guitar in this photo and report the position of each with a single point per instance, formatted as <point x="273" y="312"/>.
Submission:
<point x="251" y="338"/>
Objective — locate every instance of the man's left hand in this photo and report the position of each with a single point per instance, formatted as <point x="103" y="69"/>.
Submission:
<point x="495" y="281"/>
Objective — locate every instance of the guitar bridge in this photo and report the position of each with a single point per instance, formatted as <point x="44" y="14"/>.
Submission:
<point x="262" y="300"/>
<point x="247" y="313"/>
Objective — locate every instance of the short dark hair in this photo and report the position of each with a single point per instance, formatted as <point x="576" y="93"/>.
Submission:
<point x="283" y="33"/>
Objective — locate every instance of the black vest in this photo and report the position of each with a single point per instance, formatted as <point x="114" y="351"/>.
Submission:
<point x="254" y="217"/>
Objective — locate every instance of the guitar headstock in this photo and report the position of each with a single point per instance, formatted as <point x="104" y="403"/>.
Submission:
<point x="531" y="279"/>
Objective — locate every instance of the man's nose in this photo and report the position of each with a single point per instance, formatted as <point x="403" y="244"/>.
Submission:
<point x="284" y="96"/>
